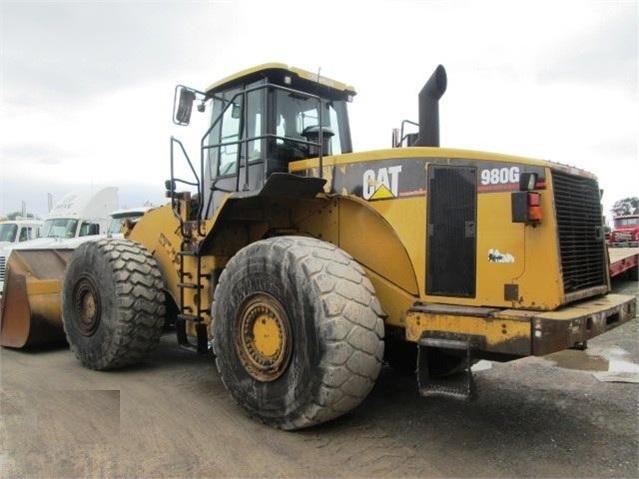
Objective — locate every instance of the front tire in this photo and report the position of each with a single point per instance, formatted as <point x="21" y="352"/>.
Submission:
<point x="297" y="331"/>
<point x="112" y="303"/>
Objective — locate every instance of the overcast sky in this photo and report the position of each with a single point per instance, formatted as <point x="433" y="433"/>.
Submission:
<point x="87" y="87"/>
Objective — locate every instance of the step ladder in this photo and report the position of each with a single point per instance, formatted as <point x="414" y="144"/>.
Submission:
<point x="460" y="385"/>
<point x="191" y="285"/>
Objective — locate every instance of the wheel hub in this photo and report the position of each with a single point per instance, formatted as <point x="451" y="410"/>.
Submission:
<point x="262" y="337"/>
<point x="86" y="306"/>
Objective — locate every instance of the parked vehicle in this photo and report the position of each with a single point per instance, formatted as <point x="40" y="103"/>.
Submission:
<point x="18" y="230"/>
<point x="13" y="232"/>
<point x="625" y="231"/>
<point x="125" y="219"/>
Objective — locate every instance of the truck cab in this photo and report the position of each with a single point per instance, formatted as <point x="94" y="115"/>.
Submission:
<point x="625" y="231"/>
<point x="13" y="232"/>
<point x="16" y="231"/>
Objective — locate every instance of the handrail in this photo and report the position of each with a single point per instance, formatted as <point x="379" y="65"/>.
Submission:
<point x="175" y="180"/>
<point x="402" y="137"/>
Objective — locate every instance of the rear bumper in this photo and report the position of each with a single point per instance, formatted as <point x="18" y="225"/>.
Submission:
<point x="565" y="328"/>
<point x="521" y="333"/>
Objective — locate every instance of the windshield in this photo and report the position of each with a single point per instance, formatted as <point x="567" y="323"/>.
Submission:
<point x="295" y="122"/>
<point x="60" y="228"/>
<point x="117" y="222"/>
<point x="622" y="222"/>
<point x="8" y="232"/>
<point x="115" y="226"/>
<point x="296" y="114"/>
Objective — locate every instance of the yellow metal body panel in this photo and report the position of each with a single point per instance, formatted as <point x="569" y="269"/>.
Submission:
<point x="496" y="332"/>
<point x="394" y="300"/>
<point x="159" y="231"/>
<point x="375" y="243"/>
<point x="427" y="152"/>
<point x="370" y="238"/>
<point x="519" y="332"/>
<point x="533" y="268"/>
<point x="537" y="275"/>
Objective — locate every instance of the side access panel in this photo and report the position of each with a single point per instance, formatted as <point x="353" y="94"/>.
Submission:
<point x="451" y="236"/>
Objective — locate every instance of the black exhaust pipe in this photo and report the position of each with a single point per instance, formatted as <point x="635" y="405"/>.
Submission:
<point x="429" y="97"/>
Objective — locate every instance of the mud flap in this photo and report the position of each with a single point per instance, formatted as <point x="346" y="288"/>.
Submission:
<point x="201" y="345"/>
<point x="458" y="386"/>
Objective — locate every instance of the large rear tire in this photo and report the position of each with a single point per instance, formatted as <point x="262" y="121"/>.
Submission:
<point x="112" y="303"/>
<point x="297" y="331"/>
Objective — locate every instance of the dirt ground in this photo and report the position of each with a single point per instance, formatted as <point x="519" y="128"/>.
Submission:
<point x="171" y="417"/>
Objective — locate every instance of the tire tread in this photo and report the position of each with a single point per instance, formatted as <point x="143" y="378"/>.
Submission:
<point x="352" y="325"/>
<point x="141" y="309"/>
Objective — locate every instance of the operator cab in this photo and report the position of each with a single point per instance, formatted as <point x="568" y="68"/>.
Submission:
<point x="261" y="120"/>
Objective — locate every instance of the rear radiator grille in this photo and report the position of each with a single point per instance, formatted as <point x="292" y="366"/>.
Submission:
<point x="578" y="209"/>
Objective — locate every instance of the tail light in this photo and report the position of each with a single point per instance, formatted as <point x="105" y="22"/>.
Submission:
<point x="534" y="206"/>
<point x="526" y="207"/>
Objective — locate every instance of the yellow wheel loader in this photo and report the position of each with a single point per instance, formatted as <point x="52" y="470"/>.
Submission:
<point x="304" y="265"/>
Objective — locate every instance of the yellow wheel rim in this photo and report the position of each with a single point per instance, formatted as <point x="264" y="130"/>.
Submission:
<point x="267" y="336"/>
<point x="262" y="337"/>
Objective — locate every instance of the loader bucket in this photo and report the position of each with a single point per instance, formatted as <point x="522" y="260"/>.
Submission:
<point x="30" y="313"/>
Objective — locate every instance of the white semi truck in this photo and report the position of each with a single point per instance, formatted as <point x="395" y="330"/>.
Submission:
<point x="18" y="230"/>
<point x="13" y="232"/>
<point x="74" y="219"/>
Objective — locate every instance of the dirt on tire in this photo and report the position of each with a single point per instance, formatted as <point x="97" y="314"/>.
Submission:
<point x="336" y="330"/>
<point x="112" y="303"/>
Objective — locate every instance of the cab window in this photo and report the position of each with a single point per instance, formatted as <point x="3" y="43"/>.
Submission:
<point x="24" y="234"/>
<point x="230" y="134"/>
<point x="295" y="114"/>
<point x="224" y="142"/>
<point x="8" y="232"/>
<point x="87" y="229"/>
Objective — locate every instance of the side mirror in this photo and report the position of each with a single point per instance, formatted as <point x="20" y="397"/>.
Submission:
<point x="183" y="105"/>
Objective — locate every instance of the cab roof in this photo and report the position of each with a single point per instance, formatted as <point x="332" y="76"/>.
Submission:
<point x="276" y="72"/>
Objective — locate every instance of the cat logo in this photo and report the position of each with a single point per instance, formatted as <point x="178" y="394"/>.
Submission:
<point x="382" y="184"/>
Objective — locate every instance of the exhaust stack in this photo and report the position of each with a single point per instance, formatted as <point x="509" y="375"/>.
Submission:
<point x="429" y="97"/>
